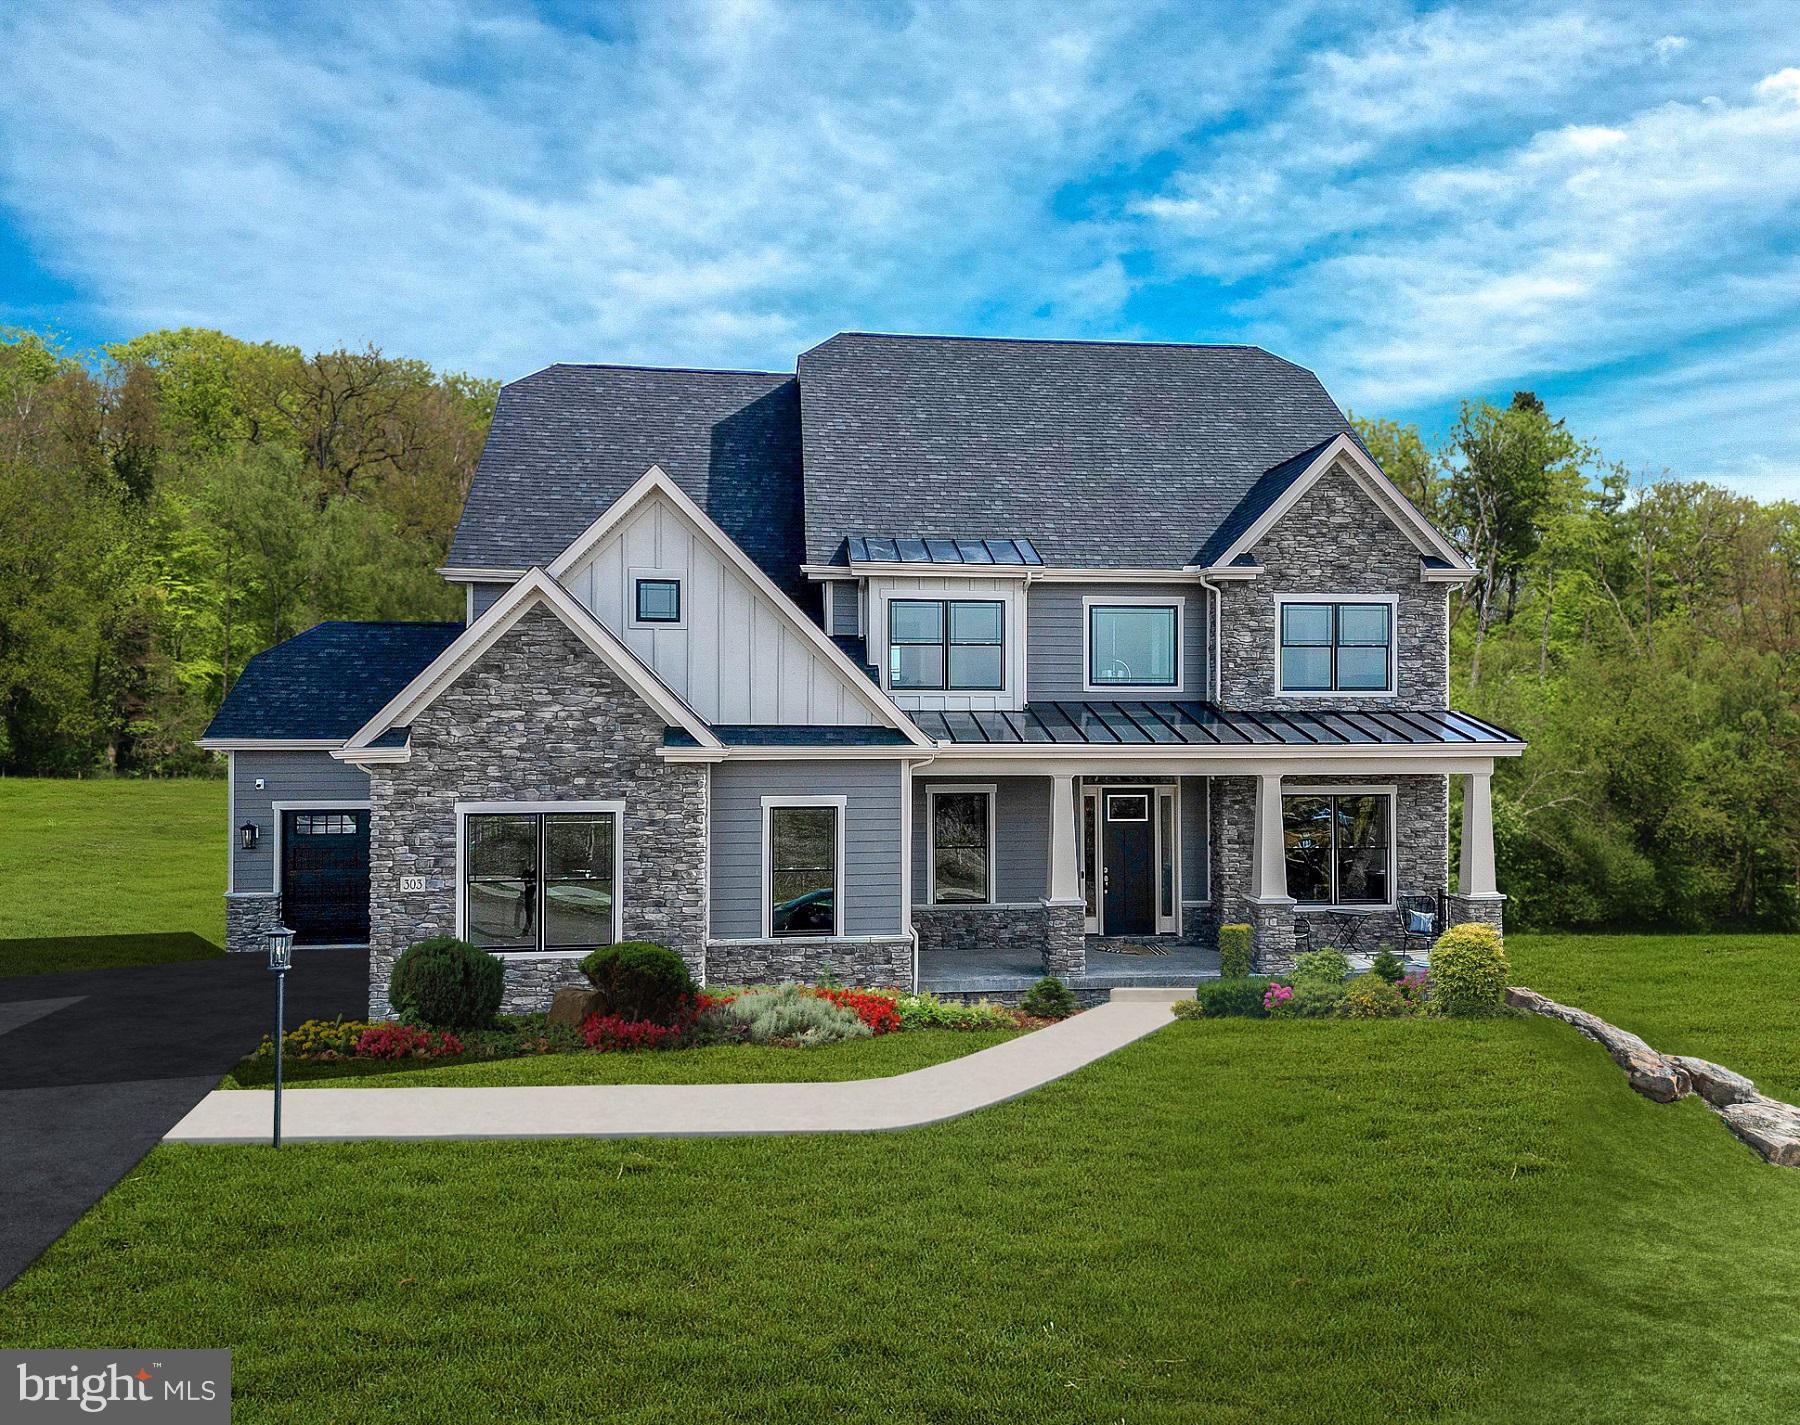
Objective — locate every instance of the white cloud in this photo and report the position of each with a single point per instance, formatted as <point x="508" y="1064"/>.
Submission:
<point x="1669" y="46"/>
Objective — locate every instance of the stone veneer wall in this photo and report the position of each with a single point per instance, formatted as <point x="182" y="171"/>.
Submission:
<point x="249" y="917"/>
<point x="1421" y="854"/>
<point x="881" y="964"/>
<point x="537" y="718"/>
<point x="1053" y="934"/>
<point x="1485" y="909"/>
<point x="1336" y="540"/>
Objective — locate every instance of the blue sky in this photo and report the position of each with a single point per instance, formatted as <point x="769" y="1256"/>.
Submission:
<point x="1600" y="202"/>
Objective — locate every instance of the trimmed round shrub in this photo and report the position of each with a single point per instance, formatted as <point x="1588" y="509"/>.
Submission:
<point x="1241" y="997"/>
<point x="1187" y="1009"/>
<point x="637" y="980"/>
<point x="1327" y="966"/>
<point x="1468" y="969"/>
<point x="1234" y="952"/>
<point x="1049" y="998"/>
<point x="1371" y="997"/>
<point x="447" y="983"/>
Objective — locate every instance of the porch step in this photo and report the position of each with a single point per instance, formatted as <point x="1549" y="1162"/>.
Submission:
<point x="1143" y="994"/>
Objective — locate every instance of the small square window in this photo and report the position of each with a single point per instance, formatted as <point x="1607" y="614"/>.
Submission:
<point x="658" y="601"/>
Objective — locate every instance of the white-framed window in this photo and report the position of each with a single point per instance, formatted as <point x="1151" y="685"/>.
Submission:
<point x="1131" y="642"/>
<point x="959" y="849"/>
<point x="1333" y="644"/>
<point x="1340" y="845"/>
<point x="539" y="878"/>
<point x="803" y="867"/>
<point x="946" y="645"/>
<point x="657" y="599"/>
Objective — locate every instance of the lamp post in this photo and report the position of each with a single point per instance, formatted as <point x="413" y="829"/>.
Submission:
<point x="281" y="960"/>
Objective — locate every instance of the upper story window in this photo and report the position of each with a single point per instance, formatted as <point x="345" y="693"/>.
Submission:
<point x="1133" y="645"/>
<point x="658" y="601"/>
<point x="955" y="645"/>
<point x="1336" y="647"/>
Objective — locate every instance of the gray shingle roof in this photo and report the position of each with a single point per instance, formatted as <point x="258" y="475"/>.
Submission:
<point x="569" y="440"/>
<point x="328" y="681"/>
<point x="1101" y="453"/>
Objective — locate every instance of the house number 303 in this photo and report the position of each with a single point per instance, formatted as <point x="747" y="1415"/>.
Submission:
<point x="412" y="883"/>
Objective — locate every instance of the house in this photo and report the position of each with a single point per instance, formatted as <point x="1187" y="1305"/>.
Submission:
<point x="936" y="661"/>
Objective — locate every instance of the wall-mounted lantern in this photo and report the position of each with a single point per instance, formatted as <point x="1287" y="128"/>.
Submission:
<point x="247" y="836"/>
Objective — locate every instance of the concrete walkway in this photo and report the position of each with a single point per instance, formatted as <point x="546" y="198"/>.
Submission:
<point x="685" y="1110"/>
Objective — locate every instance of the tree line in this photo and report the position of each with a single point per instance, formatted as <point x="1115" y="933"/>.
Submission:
<point x="185" y="500"/>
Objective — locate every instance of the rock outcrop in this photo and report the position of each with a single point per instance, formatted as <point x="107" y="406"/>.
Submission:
<point x="1650" y="1073"/>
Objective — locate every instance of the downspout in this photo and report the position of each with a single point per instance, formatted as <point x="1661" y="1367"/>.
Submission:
<point x="906" y="870"/>
<point x="1212" y="590"/>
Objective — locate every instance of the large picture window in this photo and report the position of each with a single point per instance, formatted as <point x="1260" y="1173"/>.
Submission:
<point x="962" y="854"/>
<point x="1133" y="645"/>
<point x="1336" y="647"/>
<point x="537" y="881"/>
<point x="1339" y="847"/>
<point x="956" y="645"/>
<point x="803" y="862"/>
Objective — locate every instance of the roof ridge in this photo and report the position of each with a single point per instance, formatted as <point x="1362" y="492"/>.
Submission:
<point x="659" y="370"/>
<point x="1061" y="341"/>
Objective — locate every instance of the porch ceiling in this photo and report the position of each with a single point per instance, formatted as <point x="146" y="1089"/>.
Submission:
<point x="1197" y="724"/>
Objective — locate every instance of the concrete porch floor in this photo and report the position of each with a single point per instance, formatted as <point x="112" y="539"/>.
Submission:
<point x="994" y="972"/>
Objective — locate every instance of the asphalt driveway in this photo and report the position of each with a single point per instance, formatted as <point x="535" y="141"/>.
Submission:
<point x="96" y="1066"/>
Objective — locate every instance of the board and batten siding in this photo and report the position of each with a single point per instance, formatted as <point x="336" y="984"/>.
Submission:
<point x="883" y="589"/>
<point x="1021" y="836"/>
<point x="872" y="840"/>
<point x="1058" y="640"/>
<point x="735" y="658"/>
<point x="287" y="776"/>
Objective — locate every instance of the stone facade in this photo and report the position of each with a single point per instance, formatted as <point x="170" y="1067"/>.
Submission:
<point x="981" y="929"/>
<point x="249" y="917"/>
<point x="880" y="964"/>
<point x="1335" y="540"/>
<point x="537" y="718"/>
<point x="1271" y="935"/>
<point x="1065" y="940"/>
<point x="1486" y="909"/>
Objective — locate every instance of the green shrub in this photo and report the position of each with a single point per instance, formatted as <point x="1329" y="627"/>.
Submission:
<point x="927" y="1011"/>
<point x="1234" y="952"/>
<point x="447" y="983"/>
<point x="1312" y="999"/>
<point x="791" y="1014"/>
<point x="637" y="981"/>
<point x="1188" y="1009"/>
<point x="1371" y="997"/>
<point x="1049" y="998"/>
<point x="1234" y="998"/>
<point x="1468" y="969"/>
<point x="1388" y="965"/>
<point x="1327" y="966"/>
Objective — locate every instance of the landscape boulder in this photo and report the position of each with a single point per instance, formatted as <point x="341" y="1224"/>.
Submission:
<point x="1652" y="1074"/>
<point x="571" y="1007"/>
<point x="1715" y="1083"/>
<point x="1769" y="1126"/>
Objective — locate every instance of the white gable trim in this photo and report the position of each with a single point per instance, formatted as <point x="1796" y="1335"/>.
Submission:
<point x="535" y="588"/>
<point x="655" y="481"/>
<point x="1379" y="488"/>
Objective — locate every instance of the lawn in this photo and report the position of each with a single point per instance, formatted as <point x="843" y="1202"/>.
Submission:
<point x="1731" y="998"/>
<point x="717" y="1064"/>
<point x="106" y="863"/>
<point x="1231" y="1221"/>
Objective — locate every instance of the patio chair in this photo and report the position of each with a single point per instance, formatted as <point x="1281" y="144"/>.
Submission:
<point x="1420" y="920"/>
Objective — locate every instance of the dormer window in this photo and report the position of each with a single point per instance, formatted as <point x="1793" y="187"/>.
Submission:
<point x="946" y="645"/>
<point x="658" y="601"/>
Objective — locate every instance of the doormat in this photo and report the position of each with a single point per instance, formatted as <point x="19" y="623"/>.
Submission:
<point x="1135" y="947"/>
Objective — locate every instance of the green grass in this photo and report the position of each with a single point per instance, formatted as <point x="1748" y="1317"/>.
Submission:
<point x="1233" y="1221"/>
<point x="1731" y="998"/>
<point x="108" y="860"/>
<point x="718" y="1064"/>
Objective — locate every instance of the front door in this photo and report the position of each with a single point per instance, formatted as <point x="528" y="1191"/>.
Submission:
<point x="325" y="876"/>
<point x="1129" y="899"/>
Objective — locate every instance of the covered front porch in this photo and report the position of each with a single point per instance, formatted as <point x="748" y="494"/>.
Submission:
<point x="1106" y="966"/>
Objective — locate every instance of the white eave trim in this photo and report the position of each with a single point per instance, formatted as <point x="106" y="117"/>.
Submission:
<point x="269" y="744"/>
<point x="535" y="588"/>
<point x="655" y="481"/>
<point x="363" y="756"/>
<point x="908" y="753"/>
<point x="470" y="574"/>
<point x="1382" y="490"/>
<point x="1444" y="576"/>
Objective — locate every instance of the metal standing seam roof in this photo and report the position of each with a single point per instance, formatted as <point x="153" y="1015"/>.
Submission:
<point x="1197" y="724"/>
<point x="930" y="549"/>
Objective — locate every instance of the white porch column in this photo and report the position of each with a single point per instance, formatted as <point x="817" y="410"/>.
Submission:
<point x="1065" y="881"/>
<point x="1270" y="880"/>
<point x="1475" y="874"/>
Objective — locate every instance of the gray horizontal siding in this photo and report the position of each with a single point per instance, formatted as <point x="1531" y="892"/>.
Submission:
<point x="287" y="777"/>
<point x="1196" y="859"/>
<point x="872" y="886"/>
<point x="1056" y="640"/>
<point x="1021" y="836"/>
<point x="843" y="597"/>
<point x="486" y="595"/>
